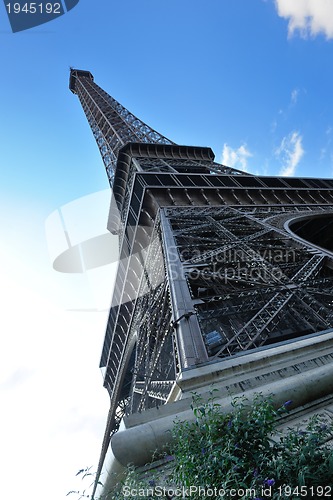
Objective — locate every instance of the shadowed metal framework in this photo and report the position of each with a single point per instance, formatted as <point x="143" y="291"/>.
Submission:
<point x="213" y="261"/>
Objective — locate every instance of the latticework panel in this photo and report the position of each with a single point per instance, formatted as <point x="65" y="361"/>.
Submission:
<point x="252" y="283"/>
<point x="155" y="363"/>
<point x="142" y="362"/>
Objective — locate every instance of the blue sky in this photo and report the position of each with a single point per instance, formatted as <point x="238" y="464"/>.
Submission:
<point x="252" y="79"/>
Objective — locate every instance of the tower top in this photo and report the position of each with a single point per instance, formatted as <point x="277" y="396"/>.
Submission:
<point x="74" y="73"/>
<point x="112" y="124"/>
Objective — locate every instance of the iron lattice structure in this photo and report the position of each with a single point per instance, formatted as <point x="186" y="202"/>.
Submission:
<point x="113" y="125"/>
<point x="213" y="261"/>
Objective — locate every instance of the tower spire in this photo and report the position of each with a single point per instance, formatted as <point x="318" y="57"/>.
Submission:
<point x="112" y="124"/>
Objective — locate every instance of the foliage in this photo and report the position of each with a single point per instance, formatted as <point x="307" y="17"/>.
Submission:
<point x="84" y="473"/>
<point x="133" y="481"/>
<point x="305" y="456"/>
<point x="241" y="450"/>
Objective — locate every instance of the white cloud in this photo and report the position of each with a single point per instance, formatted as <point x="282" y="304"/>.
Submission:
<point x="294" y="96"/>
<point x="309" y="17"/>
<point x="235" y="158"/>
<point x="290" y="153"/>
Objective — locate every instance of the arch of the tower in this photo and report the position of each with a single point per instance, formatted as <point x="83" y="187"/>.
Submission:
<point x="316" y="229"/>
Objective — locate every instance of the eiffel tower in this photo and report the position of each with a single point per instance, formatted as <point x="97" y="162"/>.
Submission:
<point x="219" y="270"/>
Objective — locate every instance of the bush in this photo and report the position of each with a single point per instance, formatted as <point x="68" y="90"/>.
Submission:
<point x="240" y="453"/>
<point x="243" y="450"/>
